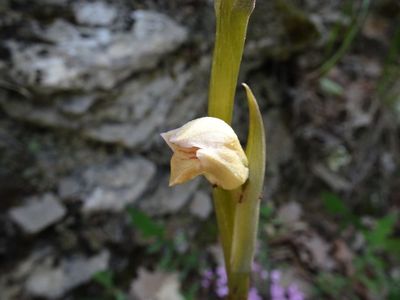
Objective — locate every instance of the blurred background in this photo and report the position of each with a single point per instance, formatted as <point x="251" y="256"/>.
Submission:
<point x="85" y="208"/>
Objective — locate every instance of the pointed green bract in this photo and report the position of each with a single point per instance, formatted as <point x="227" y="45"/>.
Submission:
<point x="247" y="209"/>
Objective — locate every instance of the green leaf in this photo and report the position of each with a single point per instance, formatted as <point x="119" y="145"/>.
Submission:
<point x="330" y="87"/>
<point x="105" y="278"/>
<point x="266" y="211"/>
<point x="331" y="283"/>
<point x="248" y="208"/>
<point x="393" y="246"/>
<point x="348" y="38"/>
<point x="156" y="246"/>
<point x="118" y="295"/>
<point x="334" y="204"/>
<point x="190" y="294"/>
<point x="383" y="228"/>
<point x="167" y="259"/>
<point x="145" y="224"/>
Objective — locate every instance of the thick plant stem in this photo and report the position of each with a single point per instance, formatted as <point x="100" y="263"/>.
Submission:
<point x="231" y="25"/>
<point x="232" y="19"/>
<point x="224" y="211"/>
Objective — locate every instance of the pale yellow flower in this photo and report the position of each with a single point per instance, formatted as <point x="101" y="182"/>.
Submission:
<point x="207" y="146"/>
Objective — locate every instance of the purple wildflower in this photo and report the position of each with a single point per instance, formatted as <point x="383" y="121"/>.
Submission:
<point x="294" y="293"/>
<point x="254" y="295"/>
<point x="275" y="276"/>
<point x="222" y="282"/>
<point x="222" y="291"/>
<point x="206" y="278"/>
<point x="277" y="291"/>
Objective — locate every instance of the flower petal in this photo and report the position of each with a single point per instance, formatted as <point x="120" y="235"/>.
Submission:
<point x="207" y="146"/>
<point x="183" y="169"/>
<point x="223" y="167"/>
<point x="203" y="133"/>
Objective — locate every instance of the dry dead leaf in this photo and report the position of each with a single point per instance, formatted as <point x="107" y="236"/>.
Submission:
<point x="375" y="28"/>
<point x="334" y="180"/>
<point x="315" y="251"/>
<point x="156" y="285"/>
<point x="343" y="255"/>
<point x="296" y="276"/>
<point x="357" y="95"/>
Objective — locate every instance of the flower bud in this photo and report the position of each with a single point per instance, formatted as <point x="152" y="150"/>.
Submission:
<point x="207" y="146"/>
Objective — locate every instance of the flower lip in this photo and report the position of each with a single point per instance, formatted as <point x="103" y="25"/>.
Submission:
<point x="207" y="146"/>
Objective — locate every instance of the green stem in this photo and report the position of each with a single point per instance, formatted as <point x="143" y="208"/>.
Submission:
<point x="232" y="20"/>
<point x="350" y="36"/>
<point x="231" y="25"/>
<point x="224" y="211"/>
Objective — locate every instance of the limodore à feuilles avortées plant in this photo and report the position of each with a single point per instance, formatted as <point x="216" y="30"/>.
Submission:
<point x="208" y="146"/>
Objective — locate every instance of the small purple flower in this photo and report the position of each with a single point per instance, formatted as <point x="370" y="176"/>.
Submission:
<point x="254" y="295"/>
<point x="277" y="291"/>
<point x="222" y="291"/>
<point x="222" y="282"/>
<point x="206" y="278"/>
<point x="294" y="293"/>
<point x="205" y="283"/>
<point x="275" y="276"/>
<point x="222" y="279"/>
<point x="221" y="272"/>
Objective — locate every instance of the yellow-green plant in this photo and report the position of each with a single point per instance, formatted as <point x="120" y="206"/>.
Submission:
<point x="208" y="146"/>
<point x="237" y="211"/>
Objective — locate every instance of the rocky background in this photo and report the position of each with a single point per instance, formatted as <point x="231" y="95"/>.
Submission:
<point x="87" y="86"/>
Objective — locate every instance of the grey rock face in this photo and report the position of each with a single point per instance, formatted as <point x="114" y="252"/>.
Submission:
<point x="167" y="200"/>
<point x="38" y="213"/>
<point x="131" y="116"/>
<point x="86" y="58"/>
<point x="201" y="205"/>
<point x="95" y="13"/>
<point x="77" y="106"/>
<point x="53" y="282"/>
<point x="140" y="108"/>
<point x="118" y="185"/>
<point x="110" y="186"/>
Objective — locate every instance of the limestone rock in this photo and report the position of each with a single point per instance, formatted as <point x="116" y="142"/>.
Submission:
<point x="114" y="185"/>
<point x="84" y="58"/>
<point x="53" y="282"/>
<point x="38" y="213"/>
<point x="95" y="13"/>
<point x="167" y="199"/>
<point x="69" y="187"/>
<point x="201" y="205"/>
<point x="132" y="116"/>
<point x="156" y="285"/>
<point x="140" y="108"/>
<point x="77" y="105"/>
